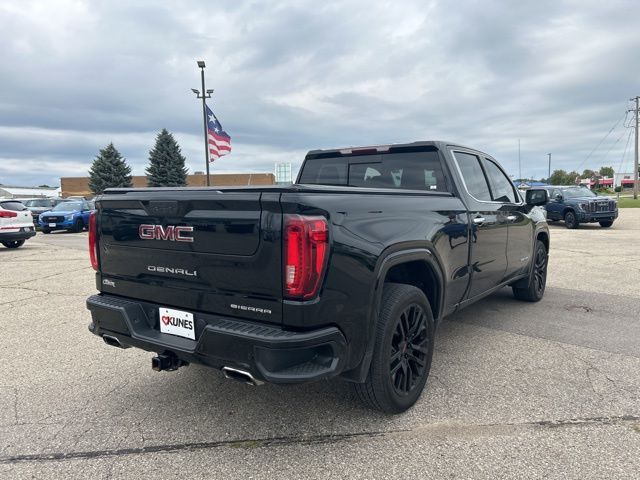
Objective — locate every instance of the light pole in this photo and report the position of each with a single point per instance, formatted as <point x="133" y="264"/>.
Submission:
<point x="549" y="175"/>
<point x="519" y="164"/>
<point x="205" y="94"/>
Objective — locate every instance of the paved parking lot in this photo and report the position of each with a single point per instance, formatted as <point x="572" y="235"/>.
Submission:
<point x="516" y="391"/>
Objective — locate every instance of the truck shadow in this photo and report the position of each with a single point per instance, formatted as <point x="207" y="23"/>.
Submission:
<point x="199" y="404"/>
<point x="583" y="226"/>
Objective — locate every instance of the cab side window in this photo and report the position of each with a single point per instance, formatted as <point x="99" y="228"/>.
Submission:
<point x="473" y="176"/>
<point x="502" y="189"/>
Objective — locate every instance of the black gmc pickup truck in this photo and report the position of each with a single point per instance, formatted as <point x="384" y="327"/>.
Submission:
<point x="345" y="273"/>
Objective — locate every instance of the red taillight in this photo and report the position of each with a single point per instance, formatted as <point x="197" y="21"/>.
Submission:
<point x="93" y="240"/>
<point x="7" y="214"/>
<point x="305" y="251"/>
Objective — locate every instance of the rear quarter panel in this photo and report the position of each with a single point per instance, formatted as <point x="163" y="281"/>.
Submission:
<point x="364" y="229"/>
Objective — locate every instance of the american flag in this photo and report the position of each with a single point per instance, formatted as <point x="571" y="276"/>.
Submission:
<point x="219" y="140"/>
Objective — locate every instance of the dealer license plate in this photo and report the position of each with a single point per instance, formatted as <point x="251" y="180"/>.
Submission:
<point x="177" y="322"/>
<point x="52" y="224"/>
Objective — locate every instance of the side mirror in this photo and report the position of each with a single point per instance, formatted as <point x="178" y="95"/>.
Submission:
<point x="535" y="197"/>
<point x="558" y="197"/>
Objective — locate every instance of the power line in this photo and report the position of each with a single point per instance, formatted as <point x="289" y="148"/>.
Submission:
<point x="600" y="142"/>
<point x="624" y="153"/>
<point x="612" y="146"/>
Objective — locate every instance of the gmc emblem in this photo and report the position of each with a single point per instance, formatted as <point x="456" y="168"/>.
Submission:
<point x="172" y="233"/>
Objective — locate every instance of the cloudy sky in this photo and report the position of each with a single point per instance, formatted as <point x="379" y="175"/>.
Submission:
<point x="290" y="76"/>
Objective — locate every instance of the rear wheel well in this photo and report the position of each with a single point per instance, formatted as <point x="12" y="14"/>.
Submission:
<point x="421" y="275"/>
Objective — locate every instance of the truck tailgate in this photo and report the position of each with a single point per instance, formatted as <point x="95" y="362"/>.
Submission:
<point x="201" y="250"/>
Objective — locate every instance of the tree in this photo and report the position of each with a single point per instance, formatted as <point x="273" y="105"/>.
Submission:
<point x="109" y="170"/>
<point x="166" y="163"/>
<point x="606" y="171"/>
<point x="571" y="177"/>
<point x="561" y="177"/>
<point x="587" y="173"/>
<point x="558" y="177"/>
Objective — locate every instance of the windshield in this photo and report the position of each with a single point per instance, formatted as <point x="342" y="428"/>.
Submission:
<point x="67" y="207"/>
<point x="578" y="192"/>
<point x="38" y="203"/>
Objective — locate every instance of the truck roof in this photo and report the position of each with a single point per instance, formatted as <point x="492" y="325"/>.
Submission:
<point x="412" y="146"/>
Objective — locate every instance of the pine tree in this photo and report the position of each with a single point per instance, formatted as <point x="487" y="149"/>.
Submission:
<point x="109" y="170"/>
<point x="166" y="163"/>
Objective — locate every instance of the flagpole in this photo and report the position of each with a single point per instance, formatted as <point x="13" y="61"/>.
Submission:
<point x="204" y="120"/>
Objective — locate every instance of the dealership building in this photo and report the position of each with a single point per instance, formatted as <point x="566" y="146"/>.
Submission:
<point x="28" y="192"/>
<point x="79" y="186"/>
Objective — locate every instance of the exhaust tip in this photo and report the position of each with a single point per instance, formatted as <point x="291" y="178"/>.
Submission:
<point x="240" y="376"/>
<point x="113" y="341"/>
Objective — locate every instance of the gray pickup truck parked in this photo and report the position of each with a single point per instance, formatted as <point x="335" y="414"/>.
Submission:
<point x="576" y="205"/>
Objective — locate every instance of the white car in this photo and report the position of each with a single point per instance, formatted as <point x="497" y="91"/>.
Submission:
<point x="16" y="223"/>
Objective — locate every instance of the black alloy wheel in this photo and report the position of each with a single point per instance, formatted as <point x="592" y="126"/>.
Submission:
<point x="540" y="271"/>
<point x="402" y="351"/>
<point x="532" y="288"/>
<point x="409" y="348"/>
<point x="570" y="220"/>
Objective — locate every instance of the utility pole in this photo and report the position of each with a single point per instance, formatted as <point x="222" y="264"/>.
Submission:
<point x="635" y="162"/>
<point x="549" y="175"/>
<point x="205" y="94"/>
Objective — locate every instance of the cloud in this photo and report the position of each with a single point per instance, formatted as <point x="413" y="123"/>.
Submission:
<point x="293" y="76"/>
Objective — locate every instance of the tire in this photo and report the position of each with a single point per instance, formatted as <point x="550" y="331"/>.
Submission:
<point x="606" y="223"/>
<point x="13" y="243"/>
<point x="533" y="289"/>
<point x="570" y="220"/>
<point x="402" y="353"/>
<point x="78" y="226"/>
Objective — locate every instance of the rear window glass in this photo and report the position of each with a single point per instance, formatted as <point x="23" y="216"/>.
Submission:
<point x="409" y="171"/>
<point x="15" y="206"/>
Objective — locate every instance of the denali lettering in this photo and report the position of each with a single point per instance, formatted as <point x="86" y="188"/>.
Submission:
<point x="176" y="271"/>
<point x="250" y="309"/>
<point x="173" y="233"/>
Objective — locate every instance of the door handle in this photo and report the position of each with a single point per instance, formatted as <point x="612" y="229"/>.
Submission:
<point x="479" y="220"/>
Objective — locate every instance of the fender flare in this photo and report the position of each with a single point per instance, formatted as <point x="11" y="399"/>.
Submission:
<point x="405" y="256"/>
<point x="384" y="264"/>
